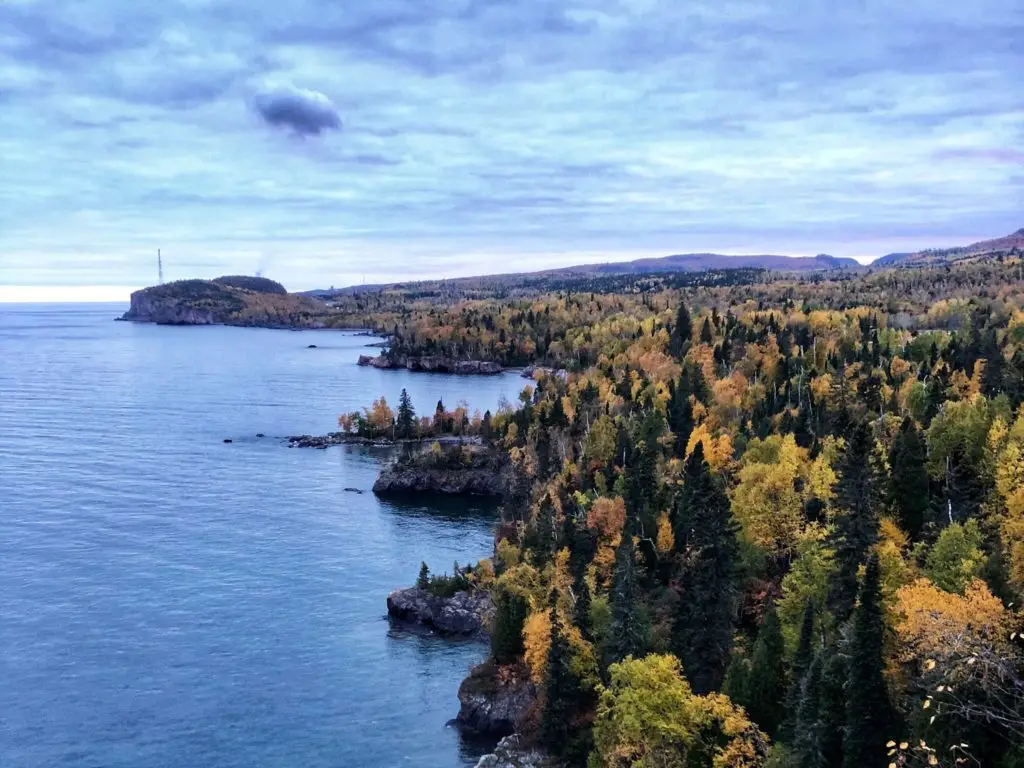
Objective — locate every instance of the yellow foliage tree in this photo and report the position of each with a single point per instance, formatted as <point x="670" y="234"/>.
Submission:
<point x="766" y="501"/>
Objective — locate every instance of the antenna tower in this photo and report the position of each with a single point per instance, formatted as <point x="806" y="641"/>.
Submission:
<point x="160" y="266"/>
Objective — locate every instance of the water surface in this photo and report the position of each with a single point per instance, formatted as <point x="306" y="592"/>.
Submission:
<point x="167" y="599"/>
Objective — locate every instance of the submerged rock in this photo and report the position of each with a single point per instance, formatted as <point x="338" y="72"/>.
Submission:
<point x="511" y="753"/>
<point x="496" y="699"/>
<point x="466" y="613"/>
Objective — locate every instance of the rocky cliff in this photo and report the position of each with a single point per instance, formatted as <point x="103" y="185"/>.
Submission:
<point x="497" y="700"/>
<point x="226" y="301"/>
<point x="432" y="364"/>
<point x="467" y="613"/>
<point x="460" y="470"/>
<point x="511" y="752"/>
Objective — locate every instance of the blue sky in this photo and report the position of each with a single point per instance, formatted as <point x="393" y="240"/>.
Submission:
<point x="324" y="142"/>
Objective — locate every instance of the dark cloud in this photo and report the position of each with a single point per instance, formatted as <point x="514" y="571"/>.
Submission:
<point x="306" y="112"/>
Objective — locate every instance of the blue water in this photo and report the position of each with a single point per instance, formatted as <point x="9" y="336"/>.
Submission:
<point x="167" y="599"/>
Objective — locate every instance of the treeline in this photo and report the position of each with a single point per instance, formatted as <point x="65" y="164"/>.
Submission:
<point x="781" y="530"/>
<point x="379" y="420"/>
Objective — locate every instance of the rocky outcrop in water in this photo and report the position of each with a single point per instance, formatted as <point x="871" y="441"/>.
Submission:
<point x="466" y="613"/>
<point x="432" y="364"/>
<point x="496" y="700"/>
<point x="235" y="300"/>
<point x="511" y="753"/>
<point x="461" y="470"/>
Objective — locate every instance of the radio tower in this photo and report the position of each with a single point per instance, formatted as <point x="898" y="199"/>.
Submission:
<point x="160" y="266"/>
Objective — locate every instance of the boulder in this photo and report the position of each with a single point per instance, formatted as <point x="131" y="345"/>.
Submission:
<point x="466" y="613"/>
<point x="512" y="753"/>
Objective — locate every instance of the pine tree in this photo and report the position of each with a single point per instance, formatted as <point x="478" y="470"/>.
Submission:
<point x="856" y="531"/>
<point x="682" y="332"/>
<point x="561" y="688"/>
<point x="766" y="687"/>
<point x="627" y="636"/>
<point x="801" y="662"/>
<point x="511" y="609"/>
<point x="706" y="336"/>
<point x="406" y="422"/>
<point x="908" y="485"/>
<point x="703" y="630"/>
<point x="423" y="580"/>
<point x="807" y="743"/>
<point x="868" y="711"/>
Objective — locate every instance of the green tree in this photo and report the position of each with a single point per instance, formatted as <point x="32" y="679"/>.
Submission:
<point x="423" y="580"/>
<point x="561" y="688"/>
<point x="808" y="749"/>
<point x="868" y="711"/>
<point x="682" y="332"/>
<point x="627" y="636"/>
<point x="705" y="618"/>
<point x="511" y="609"/>
<point x="406" y="421"/>
<point x="857" y="497"/>
<point x="908" y="484"/>
<point x="766" y="687"/>
<point x="801" y="663"/>
<point x="956" y="557"/>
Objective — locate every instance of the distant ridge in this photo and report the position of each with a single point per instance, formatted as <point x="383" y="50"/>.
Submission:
<point x="682" y="262"/>
<point x="984" y="248"/>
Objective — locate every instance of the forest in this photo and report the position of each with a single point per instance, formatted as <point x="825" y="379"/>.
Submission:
<point x="764" y="520"/>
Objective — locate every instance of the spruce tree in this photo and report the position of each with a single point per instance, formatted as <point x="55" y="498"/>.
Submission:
<point x="801" y="663"/>
<point x="581" y="609"/>
<point x="706" y="336"/>
<point x="704" y="623"/>
<point x="626" y="636"/>
<point x="682" y="332"/>
<point x="808" y="749"/>
<point x="833" y="706"/>
<point x="766" y="687"/>
<point x="857" y="497"/>
<point x="423" y="580"/>
<point x="561" y="688"/>
<point x="680" y="417"/>
<point x="908" y="485"/>
<point x="511" y="609"/>
<point x="868" y="712"/>
<point x="406" y="422"/>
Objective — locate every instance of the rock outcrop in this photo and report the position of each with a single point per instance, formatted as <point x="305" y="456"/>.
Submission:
<point x="235" y="300"/>
<point x="496" y="700"/>
<point x="432" y="364"/>
<point x="511" y="753"/>
<point x="467" y="613"/>
<point x="462" y="470"/>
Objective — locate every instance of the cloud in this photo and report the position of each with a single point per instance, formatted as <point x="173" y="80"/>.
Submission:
<point x="991" y="154"/>
<point x="304" y="111"/>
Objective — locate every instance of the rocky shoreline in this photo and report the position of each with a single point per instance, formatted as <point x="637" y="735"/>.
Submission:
<point x="347" y="438"/>
<point x="481" y="478"/>
<point x="432" y="364"/>
<point x="467" y="613"/>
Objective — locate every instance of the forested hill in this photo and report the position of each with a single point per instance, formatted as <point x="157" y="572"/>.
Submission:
<point x="1011" y="245"/>
<point x="230" y="300"/>
<point x="770" y="525"/>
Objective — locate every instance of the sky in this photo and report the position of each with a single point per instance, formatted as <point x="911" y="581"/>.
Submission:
<point x="331" y="142"/>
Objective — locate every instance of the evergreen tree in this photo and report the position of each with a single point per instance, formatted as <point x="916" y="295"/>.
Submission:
<point x="766" y="687"/>
<point x="423" y="580"/>
<point x="627" y="636"/>
<point x="808" y="749"/>
<point x="511" y="609"/>
<point x="868" y="712"/>
<point x="561" y="688"/>
<point x="682" y="332"/>
<point x="406" y="422"/>
<point x="680" y="417"/>
<point x="706" y="335"/>
<point x="801" y="663"/>
<point x="581" y="609"/>
<point x="833" y="707"/>
<point x="908" y="486"/>
<point x="857" y="522"/>
<point x="703" y="630"/>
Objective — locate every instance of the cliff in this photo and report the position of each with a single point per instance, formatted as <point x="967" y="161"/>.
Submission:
<point x="235" y="300"/>
<point x="497" y="700"/>
<point x="456" y="470"/>
<point x="432" y="364"/>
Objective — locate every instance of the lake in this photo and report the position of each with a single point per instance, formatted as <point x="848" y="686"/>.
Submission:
<point x="167" y="599"/>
